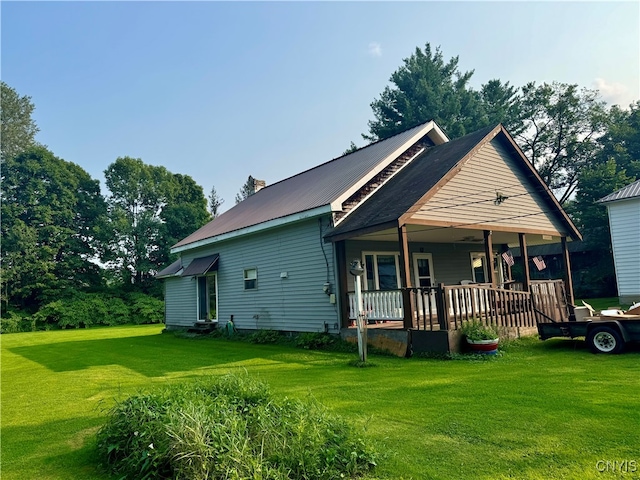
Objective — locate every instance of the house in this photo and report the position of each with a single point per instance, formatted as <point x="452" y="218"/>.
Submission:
<point x="422" y="214"/>
<point x="623" y="207"/>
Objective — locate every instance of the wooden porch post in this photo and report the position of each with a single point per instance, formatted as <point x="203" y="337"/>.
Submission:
<point x="405" y="276"/>
<point x="566" y="267"/>
<point x="526" y="282"/>
<point x="488" y="253"/>
<point x="341" y="261"/>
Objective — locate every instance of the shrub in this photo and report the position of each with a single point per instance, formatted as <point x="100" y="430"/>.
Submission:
<point x="316" y="341"/>
<point x="229" y="427"/>
<point x="13" y="322"/>
<point x="145" y="309"/>
<point x="265" y="336"/>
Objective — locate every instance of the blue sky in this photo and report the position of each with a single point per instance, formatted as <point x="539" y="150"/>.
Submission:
<point x="220" y="90"/>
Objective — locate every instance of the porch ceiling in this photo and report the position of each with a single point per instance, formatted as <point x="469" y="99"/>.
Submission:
<point x="436" y="234"/>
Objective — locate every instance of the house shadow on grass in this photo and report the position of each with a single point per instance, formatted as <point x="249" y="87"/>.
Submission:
<point x="151" y="356"/>
<point x="160" y="355"/>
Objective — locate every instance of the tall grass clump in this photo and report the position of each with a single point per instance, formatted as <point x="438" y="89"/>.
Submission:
<point x="229" y="427"/>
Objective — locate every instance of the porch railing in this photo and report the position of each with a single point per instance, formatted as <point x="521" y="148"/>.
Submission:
<point x="447" y="307"/>
<point x="379" y="305"/>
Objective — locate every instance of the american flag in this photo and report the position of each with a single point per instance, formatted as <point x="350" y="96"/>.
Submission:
<point x="508" y="258"/>
<point x="539" y="263"/>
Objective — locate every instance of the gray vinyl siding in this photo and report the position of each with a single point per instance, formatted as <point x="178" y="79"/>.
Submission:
<point x="451" y="262"/>
<point x="624" y="219"/>
<point x="468" y="198"/>
<point x="180" y="301"/>
<point x="295" y="303"/>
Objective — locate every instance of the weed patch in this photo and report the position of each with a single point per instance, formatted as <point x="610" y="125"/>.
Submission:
<point x="229" y="427"/>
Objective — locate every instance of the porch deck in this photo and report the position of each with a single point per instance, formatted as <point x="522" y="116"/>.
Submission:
<point x="447" y="307"/>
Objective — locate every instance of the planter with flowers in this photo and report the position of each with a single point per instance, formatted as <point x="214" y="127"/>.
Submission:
<point x="481" y="338"/>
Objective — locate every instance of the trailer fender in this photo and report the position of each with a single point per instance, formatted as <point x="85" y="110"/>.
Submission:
<point x="614" y="324"/>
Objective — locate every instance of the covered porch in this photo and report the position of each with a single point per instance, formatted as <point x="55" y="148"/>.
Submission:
<point x="434" y="279"/>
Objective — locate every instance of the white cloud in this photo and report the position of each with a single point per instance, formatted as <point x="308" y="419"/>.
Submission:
<point x="375" y="49"/>
<point x="613" y="92"/>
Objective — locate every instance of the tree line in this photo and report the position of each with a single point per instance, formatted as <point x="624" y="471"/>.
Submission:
<point x="61" y="237"/>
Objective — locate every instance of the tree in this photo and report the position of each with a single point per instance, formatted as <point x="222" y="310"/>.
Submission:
<point x="215" y="202"/>
<point x="246" y="190"/>
<point x="562" y="124"/>
<point x="501" y="104"/>
<point x="18" y="128"/>
<point x="426" y="87"/>
<point x="185" y="212"/>
<point x="621" y="140"/>
<point x="150" y="209"/>
<point x="352" y="148"/>
<point x="52" y="212"/>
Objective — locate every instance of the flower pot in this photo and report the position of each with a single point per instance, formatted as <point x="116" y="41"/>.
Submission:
<point x="487" y="347"/>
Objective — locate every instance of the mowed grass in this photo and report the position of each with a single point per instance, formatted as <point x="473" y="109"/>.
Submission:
<point x="542" y="410"/>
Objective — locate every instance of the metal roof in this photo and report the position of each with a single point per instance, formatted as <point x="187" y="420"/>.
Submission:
<point x="202" y="265"/>
<point x="171" y="270"/>
<point x="317" y="187"/>
<point x="630" y="191"/>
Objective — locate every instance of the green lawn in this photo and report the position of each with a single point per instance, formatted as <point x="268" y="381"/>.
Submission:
<point x="542" y="410"/>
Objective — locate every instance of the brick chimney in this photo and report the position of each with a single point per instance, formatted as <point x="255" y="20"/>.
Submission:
<point x="258" y="185"/>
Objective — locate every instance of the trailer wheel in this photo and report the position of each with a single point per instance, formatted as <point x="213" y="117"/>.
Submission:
<point x="605" y="340"/>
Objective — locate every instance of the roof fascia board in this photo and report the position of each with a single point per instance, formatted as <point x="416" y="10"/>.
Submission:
<point x="428" y="128"/>
<point x="276" y="222"/>
<point x="405" y="218"/>
<point x="361" y="231"/>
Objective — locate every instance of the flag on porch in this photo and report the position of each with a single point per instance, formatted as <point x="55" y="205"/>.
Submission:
<point x="539" y="263"/>
<point x="508" y="258"/>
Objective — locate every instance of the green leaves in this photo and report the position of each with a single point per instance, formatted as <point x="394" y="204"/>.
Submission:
<point x="229" y="427"/>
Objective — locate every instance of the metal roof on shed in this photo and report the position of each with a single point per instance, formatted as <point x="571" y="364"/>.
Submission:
<point x="314" y="188"/>
<point x="630" y="191"/>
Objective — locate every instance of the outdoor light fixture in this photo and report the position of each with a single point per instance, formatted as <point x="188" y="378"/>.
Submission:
<point x="499" y="199"/>
<point x="355" y="268"/>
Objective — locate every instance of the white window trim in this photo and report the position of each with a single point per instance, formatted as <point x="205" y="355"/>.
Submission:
<point x="207" y="276"/>
<point x="376" y="279"/>
<point x="245" y="278"/>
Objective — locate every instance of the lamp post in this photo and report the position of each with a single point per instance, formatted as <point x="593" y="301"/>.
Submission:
<point x="355" y="268"/>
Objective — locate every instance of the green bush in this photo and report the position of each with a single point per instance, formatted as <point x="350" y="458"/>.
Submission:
<point x="146" y="309"/>
<point x="228" y="427"/>
<point x="13" y="322"/>
<point x="265" y="337"/>
<point x="316" y="341"/>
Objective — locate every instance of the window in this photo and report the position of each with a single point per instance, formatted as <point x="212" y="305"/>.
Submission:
<point x="382" y="271"/>
<point x="250" y="278"/>
<point x="207" y="298"/>
<point x="479" y="268"/>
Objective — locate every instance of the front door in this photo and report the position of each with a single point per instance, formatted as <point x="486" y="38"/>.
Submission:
<point x="424" y="277"/>
<point x="207" y="298"/>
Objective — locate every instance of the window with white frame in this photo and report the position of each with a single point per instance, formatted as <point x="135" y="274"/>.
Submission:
<point x="381" y="270"/>
<point x="250" y="278"/>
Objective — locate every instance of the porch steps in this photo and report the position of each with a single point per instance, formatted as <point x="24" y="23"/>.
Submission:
<point x="203" y="328"/>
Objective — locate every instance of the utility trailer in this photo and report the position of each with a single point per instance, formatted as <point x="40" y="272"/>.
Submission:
<point x="603" y="334"/>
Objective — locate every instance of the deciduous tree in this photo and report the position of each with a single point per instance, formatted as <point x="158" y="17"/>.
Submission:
<point x="18" y="128"/>
<point x="52" y="211"/>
